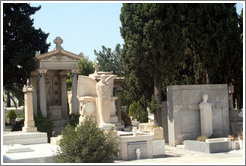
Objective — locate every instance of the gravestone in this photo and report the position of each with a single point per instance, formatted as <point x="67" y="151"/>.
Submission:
<point x="183" y="115"/>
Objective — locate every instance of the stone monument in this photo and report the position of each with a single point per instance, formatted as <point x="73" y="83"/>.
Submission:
<point x="206" y="117"/>
<point x="95" y="99"/>
<point x="29" y="124"/>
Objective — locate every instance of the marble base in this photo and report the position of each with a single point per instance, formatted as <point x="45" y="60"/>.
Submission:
<point x="106" y="126"/>
<point x="24" y="138"/>
<point x="29" y="129"/>
<point x="17" y="148"/>
<point x="40" y="153"/>
<point x="159" y="147"/>
<point x="114" y="119"/>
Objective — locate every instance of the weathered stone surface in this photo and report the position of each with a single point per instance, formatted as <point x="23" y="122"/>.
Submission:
<point x="159" y="147"/>
<point x="207" y="147"/>
<point x="131" y="150"/>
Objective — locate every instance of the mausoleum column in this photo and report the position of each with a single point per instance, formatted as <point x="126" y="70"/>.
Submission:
<point x="64" y="94"/>
<point x="74" y="90"/>
<point x="42" y="91"/>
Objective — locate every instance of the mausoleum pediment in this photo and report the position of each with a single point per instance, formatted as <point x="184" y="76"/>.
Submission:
<point x="58" y="59"/>
<point x="58" y="55"/>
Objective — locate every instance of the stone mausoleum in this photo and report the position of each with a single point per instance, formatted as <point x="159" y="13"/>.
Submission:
<point x="49" y="81"/>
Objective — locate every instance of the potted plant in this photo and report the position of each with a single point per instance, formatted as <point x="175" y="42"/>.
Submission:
<point x="240" y="139"/>
<point x="232" y="144"/>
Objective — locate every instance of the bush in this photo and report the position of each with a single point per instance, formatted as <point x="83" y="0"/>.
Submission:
<point x="12" y="116"/>
<point x="144" y="116"/>
<point x="44" y="124"/>
<point x="134" y="110"/>
<point x="87" y="144"/>
<point x="73" y="119"/>
<point x="126" y="118"/>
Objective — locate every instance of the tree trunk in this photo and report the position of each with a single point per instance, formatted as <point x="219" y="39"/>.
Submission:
<point x="8" y="99"/>
<point x="158" y="98"/>
<point x="207" y="78"/>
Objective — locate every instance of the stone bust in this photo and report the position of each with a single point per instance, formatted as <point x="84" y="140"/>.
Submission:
<point x="205" y="98"/>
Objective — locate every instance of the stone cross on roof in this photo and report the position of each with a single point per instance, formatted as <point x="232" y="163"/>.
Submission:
<point x="96" y="66"/>
<point x="58" y="41"/>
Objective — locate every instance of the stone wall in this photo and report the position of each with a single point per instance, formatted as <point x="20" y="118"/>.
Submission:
<point x="183" y="115"/>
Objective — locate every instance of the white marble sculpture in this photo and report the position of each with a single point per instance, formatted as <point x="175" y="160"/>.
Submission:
<point x="96" y="98"/>
<point x="138" y="153"/>
<point x="206" y="117"/>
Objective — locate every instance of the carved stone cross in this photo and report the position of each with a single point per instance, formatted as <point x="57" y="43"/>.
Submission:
<point x="58" y="41"/>
<point x="96" y="66"/>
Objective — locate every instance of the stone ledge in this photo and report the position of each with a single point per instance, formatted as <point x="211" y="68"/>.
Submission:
<point x="207" y="147"/>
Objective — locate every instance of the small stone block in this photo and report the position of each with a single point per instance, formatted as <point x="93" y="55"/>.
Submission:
<point x="29" y="129"/>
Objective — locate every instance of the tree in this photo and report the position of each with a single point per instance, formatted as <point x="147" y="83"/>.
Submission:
<point x="85" y="67"/>
<point x="214" y="35"/>
<point x="20" y="41"/>
<point x="87" y="144"/>
<point x="109" y="60"/>
<point x="153" y="47"/>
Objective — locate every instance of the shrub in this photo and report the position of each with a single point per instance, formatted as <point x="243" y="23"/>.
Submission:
<point x="12" y="116"/>
<point x="144" y="116"/>
<point x="134" y="110"/>
<point x="73" y="119"/>
<point x="240" y="135"/>
<point x="44" y="124"/>
<point x="87" y="144"/>
<point x="126" y="118"/>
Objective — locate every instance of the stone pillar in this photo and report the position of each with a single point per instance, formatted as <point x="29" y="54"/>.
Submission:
<point x="119" y="105"/>
<point x="74" y="91"/>
<point x="42" y="92"/>
<point x="206" y="117"/>
<point x="64" y="94"/>
<point x="29" y="125"/>
<point x="34" y="84"/>
<point x="4" y="116"/>
<point x="231" y="91"/>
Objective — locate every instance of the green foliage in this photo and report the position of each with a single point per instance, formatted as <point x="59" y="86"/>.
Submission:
<point x="87" y="144"/>
<point x="144" y="116"/>
<point x="138" y="112"/>
<point x="21" y="114"/>
<point x="12" y="116"/>
<point x="44" y="124"/>
<point x="153" y="106"/>
<point x="153" y="48"/>
<point x="20" y="41"/>
<point x="85" y="66"/>
<point x="73" y="119"/>
<point x="109" y="60"/>
<point x="175" y="44"/>
<point x="126" y="118"/>
<point x="13" y="91"/>
<point x="134" y="110"/>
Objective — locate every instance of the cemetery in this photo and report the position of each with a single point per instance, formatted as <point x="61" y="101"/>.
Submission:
<point x="197" y="117"/>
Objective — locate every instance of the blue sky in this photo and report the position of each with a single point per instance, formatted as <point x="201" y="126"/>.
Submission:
<point x="82" y="26"/>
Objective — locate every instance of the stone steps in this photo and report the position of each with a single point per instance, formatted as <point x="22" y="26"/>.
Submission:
<point x="24" y="138"/>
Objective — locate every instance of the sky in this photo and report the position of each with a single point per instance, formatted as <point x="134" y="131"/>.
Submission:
<point x="84" y="27"/>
